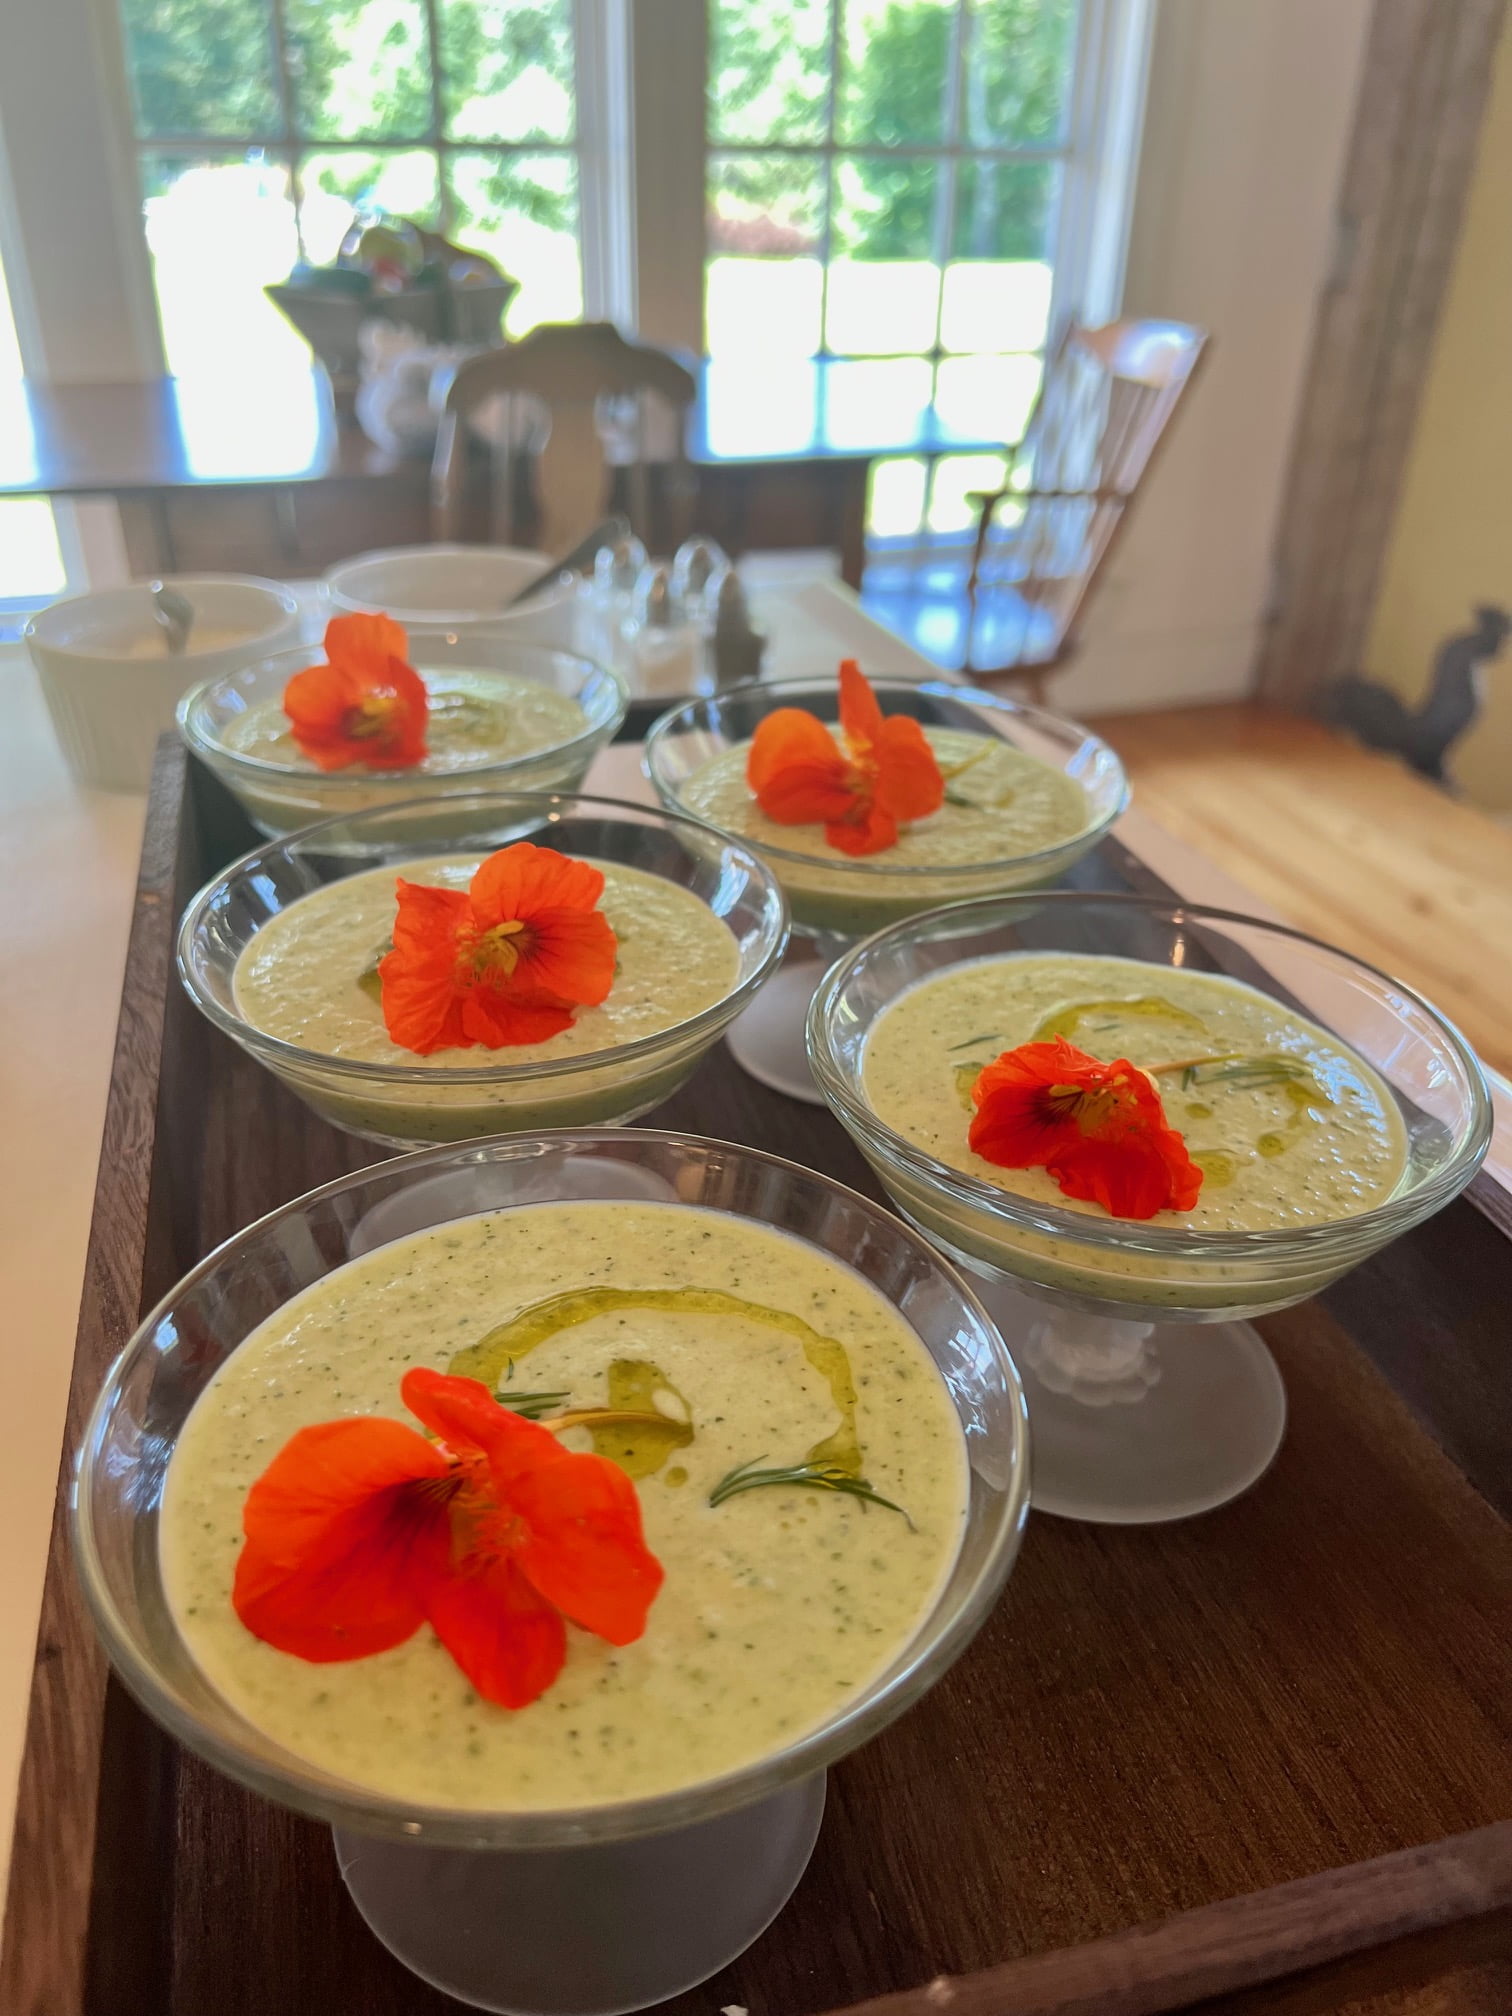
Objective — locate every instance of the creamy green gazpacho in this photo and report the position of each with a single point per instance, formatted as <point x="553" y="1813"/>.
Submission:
<point x="1289" y="1126"/>
<point x="1001" y="805"/>
<point x="747" y="1347"/>
<point x="309" y="977"/>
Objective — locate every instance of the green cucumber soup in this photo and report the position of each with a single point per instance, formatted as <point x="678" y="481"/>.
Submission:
<point x="1001" y="805"/>
<point x="309" y="975"/>
<point x="780" y="1604"/>
<point x="474" y="718"/>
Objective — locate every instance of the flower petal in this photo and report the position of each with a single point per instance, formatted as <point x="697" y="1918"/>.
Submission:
<point x="401" y="742"/>
<point x="339" y="1545"/>
<point x="489" y="1015"/>
<point x="866" y="829"/>
<point x="796" y="769"/>
<point x="571" y="957"/>
<point x="317" y="701"/>
<point x="508" y="1641"/>
<point x="522" y="881"/>
<point x="422" y="1009"/>
<point x="861" y="714"/>
<point x="586" y="1551"/>
<point x="365" y="640"/>
<point x="909" y="784"/>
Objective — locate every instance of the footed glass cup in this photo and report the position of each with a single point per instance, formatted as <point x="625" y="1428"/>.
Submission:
<point x="836" y="898"/>
<point x="1150" y="1396"/>
<point x="595" y="1909"/>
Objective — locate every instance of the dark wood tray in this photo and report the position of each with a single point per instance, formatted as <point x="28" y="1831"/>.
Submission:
<point x="1153" y="1720"/>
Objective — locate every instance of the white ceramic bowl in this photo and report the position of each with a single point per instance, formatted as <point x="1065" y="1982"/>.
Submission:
<point x="457" y="586"/>
<point x="110" y="684"/>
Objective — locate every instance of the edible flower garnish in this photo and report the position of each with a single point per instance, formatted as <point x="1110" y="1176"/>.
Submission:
<point x="1098" y="1129"/>
<point x="361" y="1530"/>
<point x="507" y="960"/>
<point x="882" y="772"/>
<point x="366" y="704"/>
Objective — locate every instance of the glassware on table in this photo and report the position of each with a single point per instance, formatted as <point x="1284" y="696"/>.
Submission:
<point x="405" y="1104"/>
<point x="1151" y="1397"/>
<point x="597" y="1909"/>
<point x="460" y="587"/>
<point x="837" y="898"/>
<point x="280" y="797"/>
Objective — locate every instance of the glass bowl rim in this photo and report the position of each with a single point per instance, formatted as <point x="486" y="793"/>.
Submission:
<point x="260" y="770"/>
<point x="1364" y="1230"/>
<point x="923" y="1660"/>
<point x="279" y="1049"/>
<point x="1081" y="842"/>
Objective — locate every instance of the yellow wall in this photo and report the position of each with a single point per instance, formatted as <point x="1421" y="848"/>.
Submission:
<point x="1451" y="546"/>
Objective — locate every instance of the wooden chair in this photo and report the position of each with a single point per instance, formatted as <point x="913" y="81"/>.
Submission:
<point x="1042" y="541"/>
<point x="577" y="414"/>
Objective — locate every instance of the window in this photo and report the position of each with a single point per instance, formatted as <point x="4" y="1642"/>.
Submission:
<point x="885" y="204"/>
<point x="31" y="565"/>
<point x="263" y="127"/>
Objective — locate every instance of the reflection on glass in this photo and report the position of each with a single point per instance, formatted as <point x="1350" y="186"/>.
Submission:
<point x="895" y="507"/>
<point x="769" y="408"/>
<point x="897" y="58"/>
<point x="1018" y="67"/>
<point x="952" y="506"/>
<point x="338" y="187"/>
<point x="219" y="228"/>
<point x="986" y="398"/>
<point x="199" y="69"/>
<point x="360" y="70"/>
<point x="1004" y="209"/>
<point x="879" y="403"/>
<point x="506" y="69"/>
<point x="758" y="308"/>
<point x="995" y="304"/>
<point x="881" y="306"/>
<point x="768" y="70"/>
<point x="884" y="207"/>
<point x="521" y="211"/>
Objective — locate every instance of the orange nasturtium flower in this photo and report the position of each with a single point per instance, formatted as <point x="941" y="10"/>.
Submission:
<point x="506" y="960"/>
<point x="366" y="704"/>
<point x="359" y="1531"/>
<point x="1098" y="1129"/>
<point x="882" y="773"/>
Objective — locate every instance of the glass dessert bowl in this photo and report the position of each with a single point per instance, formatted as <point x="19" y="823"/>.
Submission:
<point x="1151" y="1395"/>
<point x="1054" y="810"/>
<point x="660" y="1889"/>
<point x="504" y="715"/>
<point x="672" y="868"/>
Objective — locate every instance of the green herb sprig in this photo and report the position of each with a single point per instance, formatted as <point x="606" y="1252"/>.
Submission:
<point x="532" y="1406"/>
<point x="808" y="1476"/>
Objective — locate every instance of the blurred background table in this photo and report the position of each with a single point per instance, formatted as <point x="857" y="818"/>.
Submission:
<point x="263" y="478"/>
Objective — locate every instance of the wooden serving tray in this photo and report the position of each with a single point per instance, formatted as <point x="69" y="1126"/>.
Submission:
<point x="1153" y="1720"/>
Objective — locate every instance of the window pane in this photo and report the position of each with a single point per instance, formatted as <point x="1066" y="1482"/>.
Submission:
<point x="201" y="66"/>
<point x="521" y="210"/>
<point x="337" y="186"/>
<point x="895" y="67"/>
<point x="30" y="564"/>
<point x="763" y="283"/>
<point x="883" y="306"/>
<point x="876" y="404"/>
<point x="359" y="71"/>
<point x="1004" y="209"/>
<point x="1018" y="70"/>
<point x="768" y="70"/>
<point x="219" y="227"/>
<point x="955" y="478"/>
<point x="506" y="69"/>
<point x="767" y="406"/>
<point x="995" y="304"/>
<point x="897" y="497"/>
<point x="986" y="398"/>
<point x="884" y="207"/>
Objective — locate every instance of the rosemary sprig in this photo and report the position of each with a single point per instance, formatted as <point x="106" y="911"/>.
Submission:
<point x="809" y="1476"/>
<point x="971" y="1042"/>
<point x="1249" y="1074"/>
<point x="531" y="1406"/>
